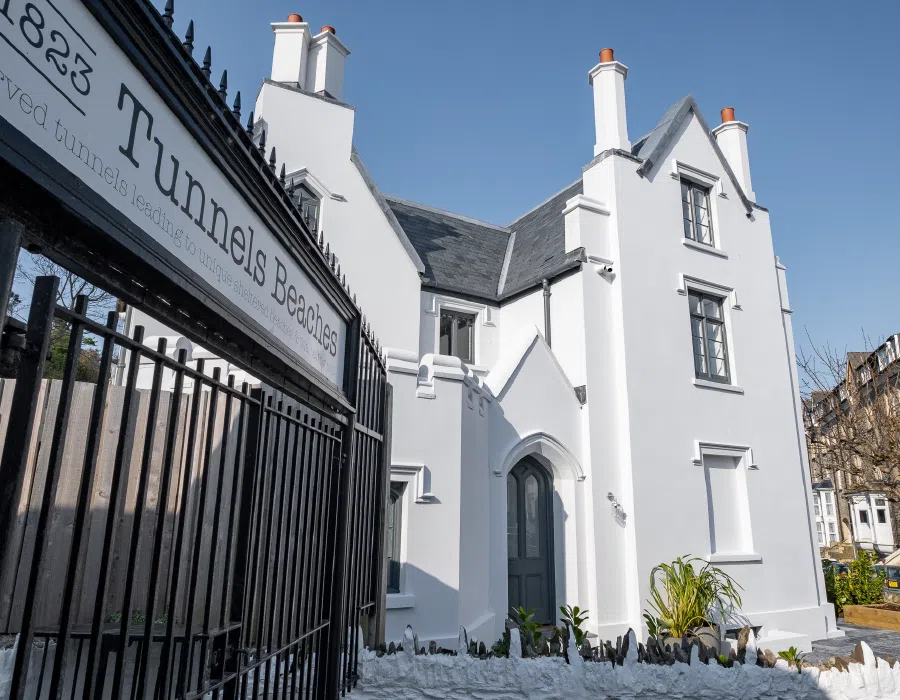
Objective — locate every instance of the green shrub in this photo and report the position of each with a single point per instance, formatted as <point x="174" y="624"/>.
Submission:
<point x="682" y="597"/>
<point x="862" y="585"/>
<point x="528" y="627"/>
<point x="575" y="617"/>
<point x="793" y="656"/>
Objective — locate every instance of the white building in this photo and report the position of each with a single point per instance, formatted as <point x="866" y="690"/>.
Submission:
<point x="824" y="507"/>
<point x="604" y="384"/>
<point x="871" y="521"/>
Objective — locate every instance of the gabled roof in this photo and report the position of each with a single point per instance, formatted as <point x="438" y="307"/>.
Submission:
<point x="460" y="254"/>
<point x="539" y="247"/>
<point x="388" y="213"/>
<point x="495" y="263"/>
<point x="653" y="147"/>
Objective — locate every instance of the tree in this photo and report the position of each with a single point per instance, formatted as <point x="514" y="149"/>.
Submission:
<point x="852" y="416"/>
<point x="31" y="266"/>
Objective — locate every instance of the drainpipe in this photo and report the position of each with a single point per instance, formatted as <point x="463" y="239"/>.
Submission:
<point x="546" y="285"/>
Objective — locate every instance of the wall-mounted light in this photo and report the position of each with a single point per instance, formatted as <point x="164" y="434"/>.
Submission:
<point x="618" y="512"/>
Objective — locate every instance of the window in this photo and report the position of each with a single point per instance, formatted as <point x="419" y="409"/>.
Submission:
<point x="695" y="212"/>
<point x="708" y="331"/>
<point x="308" y="203"/>
<point x="393" y="523"/>
<point x="881" y="513"/>
<point x="458" y="335"/>
<point x="820" y="533"/>
<point x="832" y="533"/>
<point x="829" y="506"/>
<point x="816" y="504"/>
<point x="864" y="517"/>
<point x="879" y="502"/>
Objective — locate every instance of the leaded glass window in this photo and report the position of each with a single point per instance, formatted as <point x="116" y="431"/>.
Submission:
<point x="708" y="337"/>
<point x="695" y="212"/>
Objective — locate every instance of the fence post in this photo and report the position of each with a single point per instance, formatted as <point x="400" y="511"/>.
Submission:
<point x="24" y="405"/>
<point x="10" y="242"/>
<point x="376" y="630"/>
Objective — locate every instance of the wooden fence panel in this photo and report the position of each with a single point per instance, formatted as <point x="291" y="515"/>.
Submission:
<point x="59" y="537"/>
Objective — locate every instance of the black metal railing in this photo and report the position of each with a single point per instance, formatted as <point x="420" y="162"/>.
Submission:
<point x="178" y="536"/>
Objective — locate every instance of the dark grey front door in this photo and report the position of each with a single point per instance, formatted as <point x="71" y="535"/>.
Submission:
<point x="529" y="539"/>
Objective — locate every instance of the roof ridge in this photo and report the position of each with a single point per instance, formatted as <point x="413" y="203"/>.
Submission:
<point x="437" y="210"/>
<point x="535" y="208"/>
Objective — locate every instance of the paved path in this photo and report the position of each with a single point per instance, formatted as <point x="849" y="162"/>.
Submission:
<point x="883" y="643"/>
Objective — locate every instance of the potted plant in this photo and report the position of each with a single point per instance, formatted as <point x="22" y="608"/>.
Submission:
<point x="683" y="600"/>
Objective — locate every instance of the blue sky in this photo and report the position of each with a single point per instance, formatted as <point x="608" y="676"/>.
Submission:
<point x="484" y="108"/>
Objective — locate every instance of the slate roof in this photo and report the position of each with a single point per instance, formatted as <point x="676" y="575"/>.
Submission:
<point x="539" y="247"/>
<point x="495" y="262"/>
<point x="460" y="254"/>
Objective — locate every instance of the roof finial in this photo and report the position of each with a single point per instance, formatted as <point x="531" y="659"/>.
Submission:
<point x="207" y="63"/>
<point x="236" y="107"/>
<point x="223" y="86"/>
<point x="188" y="42"/>
<point x="169" y="13"/>
<point x="272" y="158"/>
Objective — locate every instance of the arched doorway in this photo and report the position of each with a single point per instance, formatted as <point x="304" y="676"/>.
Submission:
<point x="529" y="539"/>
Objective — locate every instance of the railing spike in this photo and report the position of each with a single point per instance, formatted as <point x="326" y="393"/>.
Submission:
<point x="223" y="86"/>
<point x="322" y="239"/>
<point x="188" y="42"/>
<point x="344" y="281"/>
<point x="354" y="299"/>
<point x="281" y="177"/>
<point x="169" y="13"/>
<point x="338" y="271"/>
<point x="272" y="158"/>
<point x="331" y="261"/>
<point x="207" y="63"/>
<point x="292" y="187"/>
<point x="236" y="107"/>
<point x="250" y="124"/>
<point x="262" y="143"/>
<point x="327" y="251"/>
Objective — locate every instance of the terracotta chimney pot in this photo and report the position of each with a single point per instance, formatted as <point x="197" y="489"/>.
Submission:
<point x="328" y="28"/>
<point x="294" y="17"/>
<point x="728" y="115"/>
<point x="607" y="56"/>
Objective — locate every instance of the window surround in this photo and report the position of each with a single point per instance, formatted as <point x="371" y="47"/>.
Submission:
<point x="414" y="474"/>
<point x="743" y="455"/>
<point x="484" y="316"/>
<point x="683" y="171"/>
<point x="688" y="284"/>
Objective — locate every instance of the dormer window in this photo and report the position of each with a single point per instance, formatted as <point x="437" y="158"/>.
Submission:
<point x="308" y="203"/>
<point x="457" y="336"/>
<point x="695" y="212"/>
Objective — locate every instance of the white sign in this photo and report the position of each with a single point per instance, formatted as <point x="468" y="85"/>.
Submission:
<point x="66" y="85"/>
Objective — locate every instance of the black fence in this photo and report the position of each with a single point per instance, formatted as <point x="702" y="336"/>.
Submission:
<point x="190" y="539"/>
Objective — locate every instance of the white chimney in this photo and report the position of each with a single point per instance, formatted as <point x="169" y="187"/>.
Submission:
<point x="325" y="72"/>
<point x="289" y="60"/>
<point x="731" y="136"/>
<point x="608" y="79"/>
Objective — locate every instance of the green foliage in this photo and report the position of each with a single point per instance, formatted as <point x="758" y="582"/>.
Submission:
<point x="862" y="585"/>
<point x="723" y="659"/>
<point x="575" y="617"/>
<point x="793" y="656"/>
<point x="528" y="627"/>
<point x="830" y="576"/>
<point x="682" y="597"/>
<point x="501" y="646"/>
<point x="88" y="367"/>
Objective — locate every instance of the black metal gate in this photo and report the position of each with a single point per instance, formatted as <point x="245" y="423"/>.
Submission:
<point x="253" y="546"/>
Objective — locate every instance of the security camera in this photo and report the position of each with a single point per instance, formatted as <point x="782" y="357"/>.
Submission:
<point x="606" y="269"/>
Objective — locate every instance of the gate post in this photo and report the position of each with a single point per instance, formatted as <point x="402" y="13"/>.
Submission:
<point x="376" y="630"/>
<point x="331" y="668"/>
<point x="24" y="404"/>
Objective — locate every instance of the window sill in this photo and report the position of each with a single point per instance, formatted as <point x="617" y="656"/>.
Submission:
<point x="705" y="384"/>
<point x="693" y="245"/>
<point x="725" y="558"/>
<point x="399" y="601"/>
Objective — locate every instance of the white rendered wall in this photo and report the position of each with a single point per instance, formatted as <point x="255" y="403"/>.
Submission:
<point x="317" y="135"/>
<point x="670" y="415"/>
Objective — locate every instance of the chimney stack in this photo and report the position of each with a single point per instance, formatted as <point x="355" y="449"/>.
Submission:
<point x="731" y="135"/>
<point x="325" y="72"/>
<point x="291" y="51"/>
<point x="608" y="80"/>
